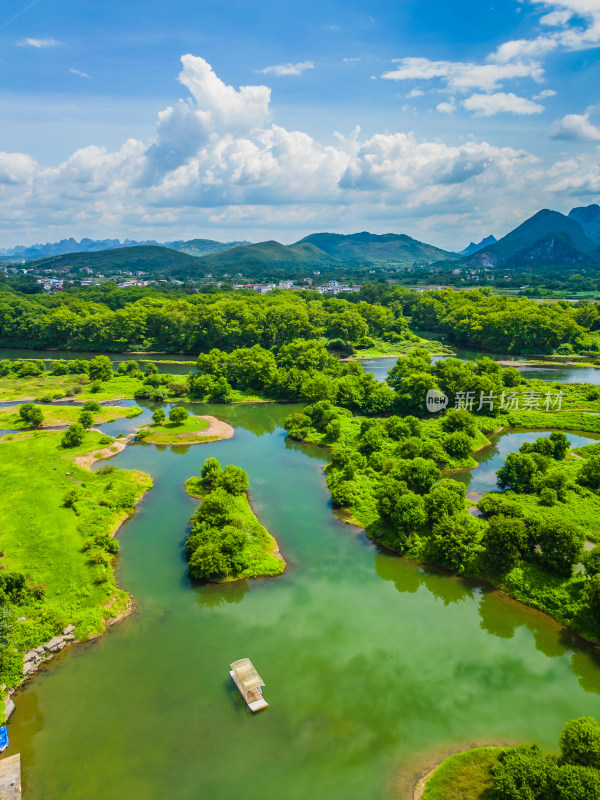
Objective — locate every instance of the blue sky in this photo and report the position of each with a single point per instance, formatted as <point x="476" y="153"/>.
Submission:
<point x="446" y="121"/>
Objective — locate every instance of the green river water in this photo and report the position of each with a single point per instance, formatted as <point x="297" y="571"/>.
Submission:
<point x="374" y="667"/>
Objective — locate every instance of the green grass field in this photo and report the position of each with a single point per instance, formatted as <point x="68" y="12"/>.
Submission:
<point x="56" y="387"/>
<point x="465" y="776"/>
<point x="64" y="415"/>
<point x="177" y="432"/>
<point x="60" y="546"/>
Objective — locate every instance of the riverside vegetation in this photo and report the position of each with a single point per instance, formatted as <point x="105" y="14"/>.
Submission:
<point x="226" y="541"/>
<point x="388" y="473"/>
<point x="57" y="545"/>
<point x="524" y="772"/>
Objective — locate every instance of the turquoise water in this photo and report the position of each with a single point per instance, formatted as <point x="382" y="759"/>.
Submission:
<point x="373" y="665"/>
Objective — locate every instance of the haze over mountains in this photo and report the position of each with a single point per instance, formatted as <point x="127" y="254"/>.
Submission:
<point x="194" y="247"/>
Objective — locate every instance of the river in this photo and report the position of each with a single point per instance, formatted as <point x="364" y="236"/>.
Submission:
<point x="374" y="666"/>
<point x="378" y="366"/>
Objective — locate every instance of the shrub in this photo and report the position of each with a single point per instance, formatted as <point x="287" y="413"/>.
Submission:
<point x="93" y="406"/>
<point x="31" y="414"/>
<point x="106" y="440"/>
<point x="96" y="387"/>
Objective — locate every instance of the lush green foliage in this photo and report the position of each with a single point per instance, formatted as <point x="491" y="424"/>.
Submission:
<point x="226" y="541"/>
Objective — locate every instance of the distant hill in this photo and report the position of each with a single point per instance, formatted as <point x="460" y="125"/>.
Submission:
<point x="147" y="258"/>
<point x="475" y="248"/>
<point x="546" y="237"/>
<point x="371" y="248"/>
<point x="193" y="247"/>
<point x="589" y="219"/>
<point x="269" y="254"/>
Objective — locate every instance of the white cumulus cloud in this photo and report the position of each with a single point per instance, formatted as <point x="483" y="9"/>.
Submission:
<point x="575" y="127"/>
<point x="485" y="105"/>
<point x="218" y="159"/>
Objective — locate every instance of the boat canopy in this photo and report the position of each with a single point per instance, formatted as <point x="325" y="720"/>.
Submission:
<point x="246" y="674"/>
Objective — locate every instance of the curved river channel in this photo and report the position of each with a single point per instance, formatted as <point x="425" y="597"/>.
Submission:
<point x="375" y="667"/>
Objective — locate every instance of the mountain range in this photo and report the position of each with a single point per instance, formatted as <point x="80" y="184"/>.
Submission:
<point x="547" y="238"/>
<point x="193" y="247"/>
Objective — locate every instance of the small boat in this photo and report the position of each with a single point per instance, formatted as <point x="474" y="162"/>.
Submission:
<point x="249" y="682"/>
<point x="3" y="738"/>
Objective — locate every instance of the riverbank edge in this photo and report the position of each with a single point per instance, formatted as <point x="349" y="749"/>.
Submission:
<point x="274" y="550"/>
<point x="421" y="784"/>
<point x="56" y="644"/>
<point x="486" y="580"/>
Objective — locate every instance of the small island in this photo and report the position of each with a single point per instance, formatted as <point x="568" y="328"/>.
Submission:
<point x="181" y="427"/>
<point x="227" y="542"/>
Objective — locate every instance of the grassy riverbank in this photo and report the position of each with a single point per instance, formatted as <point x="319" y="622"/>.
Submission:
<point x="464" y="776"/>
<point x="227" y="542"/>
<point x="57" y="522"/>
<point x="55" y="416"/>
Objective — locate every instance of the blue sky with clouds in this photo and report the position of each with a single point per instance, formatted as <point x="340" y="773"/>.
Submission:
<point x="224" y="119"/>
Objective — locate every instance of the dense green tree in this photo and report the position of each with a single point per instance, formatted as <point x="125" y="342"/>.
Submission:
<point x="31" y="414"/>
<point x="445" y="499"/>
<point x="178" y="414"/>
<point x="100" y="368"/>
<point x="457" y="444"/>
<point x="73" y="436"/>
<point x="93" y="406"/>
<point x="459" y="419"/>
<point x="561" y="543"/>
<point x="454" y="541"/>
<point x="159" y="416"/>
<point x="589" y="473"/>
<point x="505" y="541"/>
<point x="86" y="418"/>
<point x="580" y="742"/>
<point x="517" y="472"/>
<point x="494" y="504"/>
<point x="211" y="473"/>
<point x="234" y="479"/>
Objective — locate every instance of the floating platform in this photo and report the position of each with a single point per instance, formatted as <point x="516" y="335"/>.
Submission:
<point x="10" y="778"/>
<point x="249" y="683"/>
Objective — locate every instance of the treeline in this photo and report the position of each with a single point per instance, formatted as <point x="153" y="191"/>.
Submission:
<point x="143" y="319"/>
<point x="478" y="318"/>
<point x="194" y="324"/>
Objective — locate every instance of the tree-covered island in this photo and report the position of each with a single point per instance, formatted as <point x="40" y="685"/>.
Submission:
<point x="227" y="542"/>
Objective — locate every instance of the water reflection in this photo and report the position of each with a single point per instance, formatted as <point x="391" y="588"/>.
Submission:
<point x="215" y="595"/>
